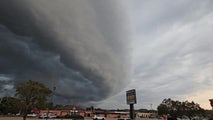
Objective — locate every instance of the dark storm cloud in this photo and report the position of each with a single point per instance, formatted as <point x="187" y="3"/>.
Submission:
<point x="81" y="47"/>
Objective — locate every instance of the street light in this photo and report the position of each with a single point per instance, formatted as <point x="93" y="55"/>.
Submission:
<point x="54" y="88"/>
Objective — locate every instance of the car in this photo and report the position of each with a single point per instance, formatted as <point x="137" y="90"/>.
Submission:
<point x="49" y="115"/>
<point x="172" y="118"/>
<point x="52" y="116"/>
<point x="98" y="117"/>
<point x="32" y="115"/>
<point x="123" y="119"/>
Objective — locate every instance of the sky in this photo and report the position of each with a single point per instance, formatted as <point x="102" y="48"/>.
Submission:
<point x="172" y="52"/>
<point x="94" y="51"/>
<point x="76" y="46"/>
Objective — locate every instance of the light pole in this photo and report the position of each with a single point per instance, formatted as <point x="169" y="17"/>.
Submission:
<point x="51" y="100"/>
<point x="54" y="88"/>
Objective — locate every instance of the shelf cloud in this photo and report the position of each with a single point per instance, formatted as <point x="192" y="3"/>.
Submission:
<point x="80" y="47"/>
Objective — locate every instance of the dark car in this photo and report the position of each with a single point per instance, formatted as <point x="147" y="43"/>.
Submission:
<point x="171" y="118"/>
<point x="123" y="119"/>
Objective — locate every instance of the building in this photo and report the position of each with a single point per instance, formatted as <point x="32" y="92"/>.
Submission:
<point x="66" y="110"/>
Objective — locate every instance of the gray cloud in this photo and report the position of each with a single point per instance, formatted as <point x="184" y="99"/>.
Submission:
<point x="172" y="51"/>
<point x="157" y="16"/>
<point x="81" y="47"/>
<point x="170" y="62"/>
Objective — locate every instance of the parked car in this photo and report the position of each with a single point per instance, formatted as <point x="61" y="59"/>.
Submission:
<point x="172" y="118"/>
<point x="32" y="115"/>
<point x="123" y="119"/>
<point x="98" y="118"/>
<point x="49" y="115"/>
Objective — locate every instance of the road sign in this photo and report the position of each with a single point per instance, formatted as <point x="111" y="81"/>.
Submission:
<point x="131" y="97"/>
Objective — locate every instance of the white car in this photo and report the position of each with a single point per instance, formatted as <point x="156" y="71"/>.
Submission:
<point x="49" y="115"/>
<point x="32" y="115"/>
<point x="98" y="118"/>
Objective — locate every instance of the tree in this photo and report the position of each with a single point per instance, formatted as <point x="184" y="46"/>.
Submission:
<point x="177" y="108"/>
<point x="9" y="105"/>
<point x="192" y="109"/>
<point x="31" y="94"/>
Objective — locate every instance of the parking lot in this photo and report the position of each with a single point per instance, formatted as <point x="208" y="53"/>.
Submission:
<point x="20" y="118"/>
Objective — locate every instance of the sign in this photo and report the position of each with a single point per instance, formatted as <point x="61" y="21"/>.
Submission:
<point x="211" y="102"/>
<point x="131" y="96"/>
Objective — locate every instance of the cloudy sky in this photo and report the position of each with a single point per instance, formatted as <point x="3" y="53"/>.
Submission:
<point x="81" y="47"/>
<point x="93" y="51"/>
<point x="172" y="52"/>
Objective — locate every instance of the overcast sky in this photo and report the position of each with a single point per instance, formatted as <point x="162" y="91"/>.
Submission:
<point x="85" y="48"/>
<point x="172" y="52"/>
<point x="81" y="47"/>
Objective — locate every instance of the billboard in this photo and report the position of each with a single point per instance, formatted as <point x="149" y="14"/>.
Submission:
<point x="131" y="96"/>
<point x="211" y="102"/>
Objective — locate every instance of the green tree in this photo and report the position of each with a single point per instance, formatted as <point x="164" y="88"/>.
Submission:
<point x="31" y="94"/>
<point x="9" y="105"/>
<point x="192" y="109"/>
<point x="177" y="108"/>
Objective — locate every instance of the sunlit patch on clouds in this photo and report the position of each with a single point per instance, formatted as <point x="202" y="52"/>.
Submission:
<point x="202" y="98"/>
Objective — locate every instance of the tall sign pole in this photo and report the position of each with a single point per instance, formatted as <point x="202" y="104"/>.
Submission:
<point x="131" y="100"/>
